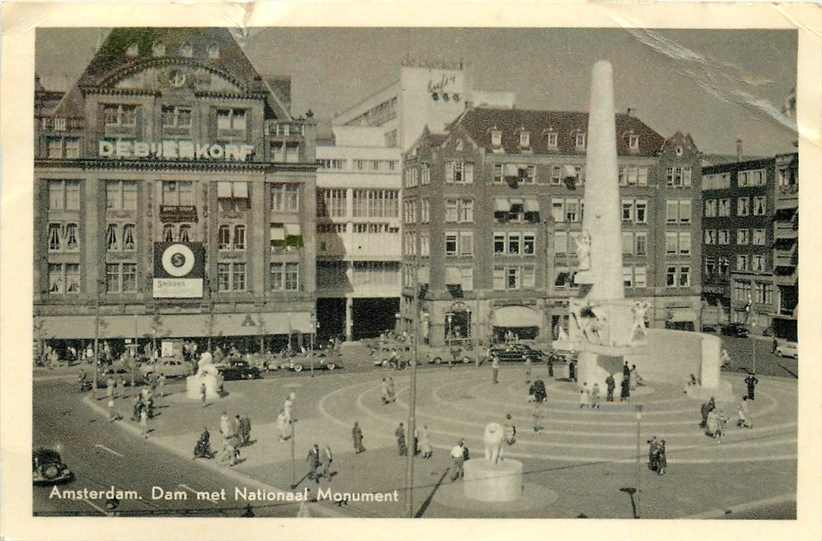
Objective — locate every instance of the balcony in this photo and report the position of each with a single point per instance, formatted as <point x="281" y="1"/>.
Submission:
<point x="785" y="231"/>
<point x="785" y="257"/>
<point x="294" y="130"/>
<point x="788" y="279"/>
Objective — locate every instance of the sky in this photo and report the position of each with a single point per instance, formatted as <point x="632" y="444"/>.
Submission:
<point x="717" y="85"/>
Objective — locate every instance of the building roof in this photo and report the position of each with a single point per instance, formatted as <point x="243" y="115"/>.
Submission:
<point x="111" y="61"/>
<point x="722" y="159"/>
<point x="479" y="122"/>
<point x="735" y="164"/>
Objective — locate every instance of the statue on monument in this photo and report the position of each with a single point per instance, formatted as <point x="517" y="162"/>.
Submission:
<point x="583" y="242"/>
<point x="493" y="439"/>
<point x="638" y="330"/>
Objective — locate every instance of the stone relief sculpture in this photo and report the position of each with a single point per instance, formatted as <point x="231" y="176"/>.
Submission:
<point x="583" y="251"/>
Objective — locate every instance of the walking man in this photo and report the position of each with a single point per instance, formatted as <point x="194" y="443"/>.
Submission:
<point x="457" y="460"/>
<point x="774" y="345"/>
<point x="314" y="463"/>
<point x="625" y="393"/>
<point x="399" y="433"/>
<point x="751" y="382"/>
<point x="495" y="367"/>
<point x="203" y="394"/>
<point x="595" y="396"/>
<point x="356" y="434"/>
<point x="527" y="369"/>
<point x="328" y="458"/>
<point x="144" y="422"/>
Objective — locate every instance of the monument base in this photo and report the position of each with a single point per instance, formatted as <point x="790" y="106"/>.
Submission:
<point x="721" y="393"/>
<point x="487" y="482"/>
<point x="212" y="383"/>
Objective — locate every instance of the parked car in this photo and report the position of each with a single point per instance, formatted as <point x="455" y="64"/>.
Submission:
<point x="787" y="349"/>
<point x="708" y="328"/>
<point x="47" y="467"/>
<point x="736" y="329"/>
<point x="120" y="373"/>
<point x="172" y="368"/>
<point x="234" y="370"/>
<point x="517" y="353"/>
<point x="303" y="362"/>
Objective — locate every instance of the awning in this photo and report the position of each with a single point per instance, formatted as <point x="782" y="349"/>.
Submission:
<point x="502" y="205"/>
<point x="241" y="190"/>
<point x="512" y="170"/>
<point x="683" y="314"/>
<point x="223" y="190"/>
<point x="569" y="171"/>
<point x="531" y="205"/>
<point x="67" y="327"/>
<point x="517" y="316"/>
<point x="453" y="276"/>
<point x="277" y="232"/>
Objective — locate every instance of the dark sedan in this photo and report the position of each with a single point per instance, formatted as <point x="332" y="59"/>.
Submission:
<point x="47" y="467"/>
<point x="238" y="370"/>
<point x="517" y="353"/>
<point x="736" y="329"/>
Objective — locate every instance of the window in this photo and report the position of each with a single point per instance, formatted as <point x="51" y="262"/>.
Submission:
<point x="425" y="211"/>
<point x="231" y="119"/>
<point x="642" y="176"/>
<point x="121" y="194"/>
<point x="524" y="139"/>
<point x="64" y="278"/>
<point x="557" y="209"/>
<point x="710" y="208"/>
<point x="459" y="172"/>
<point x="628" y="276"/>
<point x="425" y="245"/>
<point x="641" y="239"/>
<point x="685" y="276"/>
<point x="633" y="142"/>
<point x="640" y="276"/>
<point x="670" y="243"/>
<point x="499" y="277"/>
<point x="627" y="243"/>
<point x="513" y="244"/>
<point x="120" y="115"/>
<point x="112" y="241"/>
<point x="498" y="173"/>
<point x="176" y="117"/>
<point x="451" y="242"/>
<point x="232" y="196"/>
<point x="724" y="236"/>
<point x="499" y="243"/>
<point x="685" y="243"/>
<point x="54" y="147"/>
<point x="231" y="276"/>
<point x="724" y="267"/>
<point x="129" y="243"/>
<point x="466" y="243"/>
<point x="528" y="244"/>
<point x="72" y="147"/>
<point x="743" y="206"/>
<point x="467" y="274"/>
<point x="641" y="211"/>
<point x="64" y="194"/>
<point x="466" y="211"/>
<point x="670" y="276"/>
<point x="759" y="237"/>
<point x="425" y="173"/>
<point x="742" y="236"/>
<point x="758" y="263"/>
<point x="741" y="262"/>
<point x="512" y="278"/>
<point x="63" y="237"/>
<point x="724" y="207"/>
<point x="168" y="233"/>
<point x="285" y="197"/>
<point x="710" y="236"/>
<point x="121" y="277"/>
<point x="528" y="276"/>
<point x="177" y="193"/>
<point x="684" y="211"/>
<point x="627" y="210"/>
<point x="552" y="140"/>
<point x="239" y="237"/>
<point x="678" y="176"/>
<point x="572" y="210"/>
<point x="560" y="242"/>
<point x="671" y="211"/>
<point x="496" y="138"/>
<point x="450" y="210"/>
<point x="760" y="205"/>
<point x="710" y="268"/>
<point x="184" y="233"/>
<point x="579" y="140"/>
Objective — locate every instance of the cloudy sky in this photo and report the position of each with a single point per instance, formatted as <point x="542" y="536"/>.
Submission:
<point x="717" y="85"/>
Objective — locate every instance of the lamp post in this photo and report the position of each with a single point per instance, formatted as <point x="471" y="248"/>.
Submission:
<point x="293" y="423"/>
<point x="314" y="326"/>
<point x="397" y="323"/>
<point x="638" y="455"/>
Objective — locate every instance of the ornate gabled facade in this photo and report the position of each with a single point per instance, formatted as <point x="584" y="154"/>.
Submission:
<point x="492" y="209"/>
<point x="171" y="137"/>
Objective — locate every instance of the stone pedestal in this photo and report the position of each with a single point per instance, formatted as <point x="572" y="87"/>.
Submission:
<point x="212" y="383"/>
<point x="487" y="482"/>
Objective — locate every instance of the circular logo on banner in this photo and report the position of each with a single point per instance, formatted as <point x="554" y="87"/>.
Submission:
<point x="178" y="260"/>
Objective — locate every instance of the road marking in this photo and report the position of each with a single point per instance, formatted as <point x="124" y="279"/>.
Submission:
<point x="97" y="507"/>
<point x="195" y="492"/>
<point x="112" y="451"/>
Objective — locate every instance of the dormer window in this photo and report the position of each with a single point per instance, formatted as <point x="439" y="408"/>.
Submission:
<point x="186" y="50"/>
<point x="524" y="139"/>
<point x="459" y="146"/>
<point x="552" y="139"/>
<point x="213" y="51"/>
<point x="579" y="140"/>
<point x="158" y="49"/>
<point x="496" y="137"/>
<point x="133" y="50"/>
<point x="633" y="141"/>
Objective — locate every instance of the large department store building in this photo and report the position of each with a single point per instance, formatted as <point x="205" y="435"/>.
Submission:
<point x="174" y="197"/>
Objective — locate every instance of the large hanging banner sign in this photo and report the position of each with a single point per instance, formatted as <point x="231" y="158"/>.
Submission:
<point x="179" y="270"/>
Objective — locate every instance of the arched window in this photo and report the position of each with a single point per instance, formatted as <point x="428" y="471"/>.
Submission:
<point x="112" y="244"/>
<point x="168" y="233"/>
<point x="239" y="237"/>
<point x="185" y="233"/>
<point x="128" y="237"/>
<point x="224" y="237"/>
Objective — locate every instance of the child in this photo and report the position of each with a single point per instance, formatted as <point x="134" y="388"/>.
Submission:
<point x="584" y="396"/>
<point x="595" y="396"/>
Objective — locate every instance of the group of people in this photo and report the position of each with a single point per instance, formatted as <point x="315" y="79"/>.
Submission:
<point x="421" y="441"/>
<point x="236" y="433"/>
<point x="589" y="397"/>
<point x="319" y="463"/>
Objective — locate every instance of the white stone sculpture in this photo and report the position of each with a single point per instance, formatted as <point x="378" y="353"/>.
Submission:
<point x="493" y="439"/>
<point x="639" y="309"/>
<point x="583" y="242"/>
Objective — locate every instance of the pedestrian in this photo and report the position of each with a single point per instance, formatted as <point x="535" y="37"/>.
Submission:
<point x="743" y="421"/>
<point x="572" y="371"/>
<point x="527" y="369"/>
<point x="584" y="397"/>
<point x="610" y="385"/>
<point x="495" y="367"/>
<point x="110" y="388"/>
<point x="392" y="395"/>
<point x="416" y="441"/>
<point x="399" y="433"/>
<point x="284" y="426"/>
<point x="774" y="345"/>
<point x="457" y="460"/>
<point x="314" y="464"/>
<point x="328" y="458"/>
<point x="112" y="413"/>
<point x="202" y="449"/>
<point x="625" y="388"/>
<point x="725" y="359"/>
<point x="357" y="436"/>
<point x="203" y="394"/>
<point x="706" y="409"/>
<point x="137" y="408"/>
<point x="144" y="422"/>
<point x="229" y="455"/>
<point x="626" y="371"/>
<point x="751" y="382"/>
<point x="713" y="425"/>
<point x="425" y="442"/>
<point x="509" y="430"/>
<point x="632" y="378"/>
<point x="161" y="386"/>
<point x="225" y="426"/>
<point x="551" y="365"/>
<point x="123" y="385"/>
<point x="244" y="429"/>
<point x="538" y="414"/>
<point x="595" y="396"/>
<point x="384" y="391"/>
<point x="288" y="406"/>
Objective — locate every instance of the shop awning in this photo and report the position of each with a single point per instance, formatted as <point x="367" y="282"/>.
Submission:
<point x="66" y="327"/>
<point x="223" y="190"/>
<point x="241" y="190"/>
<point x="531" y="205"/>
<point x="502" y="205"/>
<point x="517" y="316"/>
<point x="453" y="276"/>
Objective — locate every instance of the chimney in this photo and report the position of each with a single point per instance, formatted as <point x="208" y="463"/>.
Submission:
<point x="739" y="150"/>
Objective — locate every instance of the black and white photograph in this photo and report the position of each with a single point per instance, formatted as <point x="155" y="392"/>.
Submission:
<point x="414" y="273"/>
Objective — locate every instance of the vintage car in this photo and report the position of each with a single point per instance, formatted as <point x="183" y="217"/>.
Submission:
<point x="301" y="362"/>
<point x="787" y="349"/>
<point x="238" y="369"/>
<point x="170" y="367"/>
<point x="517" y="353"/>
<point x="47" y="467"/>
<point x="736" y="329"/>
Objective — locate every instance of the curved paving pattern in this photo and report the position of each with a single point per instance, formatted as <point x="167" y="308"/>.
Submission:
<point x="459" y="403"/>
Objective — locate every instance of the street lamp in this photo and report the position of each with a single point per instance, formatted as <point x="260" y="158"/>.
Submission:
<point x="314" y="326"/>
<point x="292" y="422"/>
<point x="397" y="319"/>
<point x="638" y="454"/>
